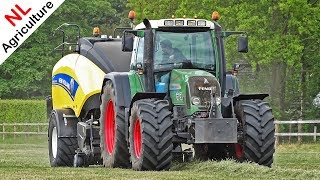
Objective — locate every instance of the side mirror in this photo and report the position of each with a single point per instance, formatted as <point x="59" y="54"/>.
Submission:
<point x="127" y="42"/>
<point x="243" y="44"/>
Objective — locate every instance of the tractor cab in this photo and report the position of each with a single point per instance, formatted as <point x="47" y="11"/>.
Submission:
<point x="185" y="59"/>
<point x="182" y="43"/>
<point x="176" y="47"/>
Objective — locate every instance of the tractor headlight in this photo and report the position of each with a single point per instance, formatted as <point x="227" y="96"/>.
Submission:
<point x="218" y="100"/>
<point x="195" y="100"/>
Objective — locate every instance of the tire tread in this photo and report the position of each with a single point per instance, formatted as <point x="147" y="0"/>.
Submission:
<point x="156" y="126"/>
<point x="258" y="125"/>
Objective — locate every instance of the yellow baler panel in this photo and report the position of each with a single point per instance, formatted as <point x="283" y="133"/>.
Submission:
<point x="75" y="79"/>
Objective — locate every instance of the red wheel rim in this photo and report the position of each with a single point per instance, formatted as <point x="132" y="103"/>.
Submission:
<point x="239" y="150"/>
<point x="109" y="127"/>
<point x="137" y="138"/>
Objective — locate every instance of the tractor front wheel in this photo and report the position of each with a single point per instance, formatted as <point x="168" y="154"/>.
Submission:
<point x="257" y="124"/>
<point x="150" y="135"/>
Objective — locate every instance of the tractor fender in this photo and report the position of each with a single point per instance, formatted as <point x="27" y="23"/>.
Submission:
<point x="227" y="100"/>
<point x="143" y="95"/>
<point x="250" y="96"/>
<point x="66" y="122"/>
<point x="121" y="84"/>
<point x="147" y="95"/>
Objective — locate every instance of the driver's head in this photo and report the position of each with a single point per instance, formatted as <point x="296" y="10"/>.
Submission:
<point x="166" y="46"/>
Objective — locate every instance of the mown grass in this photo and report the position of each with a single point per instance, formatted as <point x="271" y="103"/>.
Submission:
<point x="298" y="156"/>
<point x="30" y="161"/>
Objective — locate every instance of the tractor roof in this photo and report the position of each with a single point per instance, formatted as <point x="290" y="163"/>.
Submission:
<point x="178" y="23"/>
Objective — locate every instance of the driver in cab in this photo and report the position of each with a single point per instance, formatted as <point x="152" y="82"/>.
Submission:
<point x="170" y="54"/>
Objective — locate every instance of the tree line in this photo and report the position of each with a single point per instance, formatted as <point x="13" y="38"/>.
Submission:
<point x="283" y="58"/>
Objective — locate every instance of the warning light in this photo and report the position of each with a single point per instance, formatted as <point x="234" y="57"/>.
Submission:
<point x="215" y="16"/>
<point x="96" y="32"/>
<point x="132" y="15"/>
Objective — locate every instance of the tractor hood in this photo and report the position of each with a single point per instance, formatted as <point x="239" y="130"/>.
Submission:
<point x="193" y="88"/>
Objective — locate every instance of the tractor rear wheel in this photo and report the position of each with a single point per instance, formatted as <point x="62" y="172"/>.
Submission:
<point x="150" y="135"/>
<point x="61" y="149"/>
<point x="257" y="123"/>
<point x="114" y="147"/>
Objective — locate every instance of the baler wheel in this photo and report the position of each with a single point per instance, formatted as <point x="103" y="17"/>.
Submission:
<point x="61" y="149"/>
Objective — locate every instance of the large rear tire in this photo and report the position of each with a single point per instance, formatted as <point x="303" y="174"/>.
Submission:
<point x="150" y="135"/>
<point x="61" y="149"/>
<point x="257" y="124"/>
<point x="114" y="147"/>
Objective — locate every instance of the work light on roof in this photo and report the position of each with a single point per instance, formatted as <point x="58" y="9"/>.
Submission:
<point x="191" y="23"/>
<point x="179" y="22"/>
<point x="201" y="23"/>
<point x="168" y="23"/>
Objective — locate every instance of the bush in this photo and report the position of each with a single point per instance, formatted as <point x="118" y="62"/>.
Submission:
<point x="23" y="111"/>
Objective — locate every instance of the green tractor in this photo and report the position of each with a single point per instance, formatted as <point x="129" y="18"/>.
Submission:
<point x="141" y="113"/>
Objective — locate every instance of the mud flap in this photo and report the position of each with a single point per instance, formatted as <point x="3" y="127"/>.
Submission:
<point x="66" y="122"/>
<point x="216" y="130"/>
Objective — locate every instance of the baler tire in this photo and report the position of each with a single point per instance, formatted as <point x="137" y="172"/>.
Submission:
<point x="118" y="154"/>
<point x="258" y="132"/>
<point x="150" y="135"/>
<point x="65" y="147"/>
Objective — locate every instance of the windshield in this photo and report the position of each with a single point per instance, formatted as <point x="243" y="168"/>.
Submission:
<point x="183" y="50"/>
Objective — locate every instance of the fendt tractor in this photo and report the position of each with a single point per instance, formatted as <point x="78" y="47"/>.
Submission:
<point x="158" y="94"/>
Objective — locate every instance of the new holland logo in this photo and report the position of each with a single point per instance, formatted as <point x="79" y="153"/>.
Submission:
<point x="206" y="81"/>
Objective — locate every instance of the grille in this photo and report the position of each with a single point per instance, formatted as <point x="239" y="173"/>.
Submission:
<point x="200" y="86"/>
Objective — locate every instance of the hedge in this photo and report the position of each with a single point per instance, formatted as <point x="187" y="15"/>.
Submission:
<point x="23" y="111"/>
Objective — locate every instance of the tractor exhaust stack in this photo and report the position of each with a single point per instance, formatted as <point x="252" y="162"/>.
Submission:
<point x="148" y="58"/>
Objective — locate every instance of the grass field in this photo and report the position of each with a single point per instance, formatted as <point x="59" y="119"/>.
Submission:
<point x="27" y="159"/>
